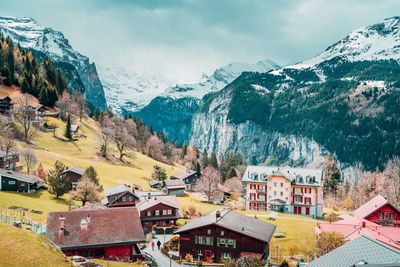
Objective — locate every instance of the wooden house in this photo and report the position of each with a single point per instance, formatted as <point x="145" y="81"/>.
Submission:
<point x="189" y="177"/>
<point x="111" y="234"/>
<point x="36" y="114"/>
<point x="9" y="160"/>
<point x="225" y="234"/>
<point x="73" y="175"/>
<point x="174" y="187"/>
<point x="380" y="211"/>
<point x="156" y="184"/>
<point x="18" y="182"/>
<point x="6" y="105"/>
<point x="120" y="196"/>
<point x="162" y="211"/>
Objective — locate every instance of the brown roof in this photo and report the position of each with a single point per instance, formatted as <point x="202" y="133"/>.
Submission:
<point x="104" y="227"/>
<point x="91" y="206"/>
<point x="371" y="206"/>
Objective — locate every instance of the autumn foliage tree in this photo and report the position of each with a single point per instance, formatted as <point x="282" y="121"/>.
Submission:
<point x="86" y="191"/>
<point x="328" y="241"/>
<point x="208" y="182"/>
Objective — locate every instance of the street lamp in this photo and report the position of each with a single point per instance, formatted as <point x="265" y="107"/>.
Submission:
<point x="170" y="258"/>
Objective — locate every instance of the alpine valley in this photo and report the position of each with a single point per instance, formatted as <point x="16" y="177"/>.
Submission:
<point x="44" y="41"/>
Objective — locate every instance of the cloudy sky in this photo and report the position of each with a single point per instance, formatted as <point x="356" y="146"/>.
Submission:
<point x="181" y="39"/>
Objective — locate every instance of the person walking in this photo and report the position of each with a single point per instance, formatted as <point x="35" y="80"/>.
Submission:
<point x="159" y="244"/>
<point x="153" y="244"/>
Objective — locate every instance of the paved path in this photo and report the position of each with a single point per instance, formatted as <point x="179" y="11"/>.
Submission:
<point x="161" y="259"/>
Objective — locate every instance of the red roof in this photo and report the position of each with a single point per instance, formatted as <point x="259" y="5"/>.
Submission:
<point x="86" y="228"/>
<point x="352" y="227"/>
<point x="371" y="206"/>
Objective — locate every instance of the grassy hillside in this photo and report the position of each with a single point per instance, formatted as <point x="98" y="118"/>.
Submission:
<point x="81" y="153"/>
<point x="24" y="248"/>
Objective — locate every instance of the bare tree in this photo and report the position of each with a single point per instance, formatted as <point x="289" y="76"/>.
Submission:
<point x="5" y="129"/>
<point x="86" y="191"/>
<point x="80" y="102"/>
<point x="208" y="182"/>
<point x="30" y="158"/>
<point x="234" y="184"/>
<point x="392" y="174"/>
<point x="66" y="105"/>
<point x="123" y="139"/>
<point x="23" y="115"/>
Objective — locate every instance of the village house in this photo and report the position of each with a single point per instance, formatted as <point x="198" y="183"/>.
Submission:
<point x="362" y="251"/>
<point x="73" y="175"/>
<point x="120" y="196"/>
<point x="36" y="114"/>
<point x="9" y="160"/>
<point x="189" y="177"/>
<point x="225" y="234"/>
<point x="156" y="184"/>
<point x="18" y="182"/>
<point x="158" y="210"/>
<point x="283" y="189"/>
<point x="112" y="234"/>
<point x="174" y="187"/>
<point x="379" y="211"/>
<point x="221" y="195"/>
<point x="6" y="105"/>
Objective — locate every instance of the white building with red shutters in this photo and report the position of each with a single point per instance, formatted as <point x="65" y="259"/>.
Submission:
<point x="284" y="189"/>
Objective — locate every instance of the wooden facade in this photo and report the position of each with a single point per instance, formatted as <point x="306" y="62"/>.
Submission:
<point x="125" y="199"/>
<point x="5" y="105"/>
<point x="117" y="252"/>
<point x="15" y="182"/>
<point x="386" y="215"/>
<point x="160" y="215"/>
<point x="73" y="175"/>
<point x="214" y="243"/>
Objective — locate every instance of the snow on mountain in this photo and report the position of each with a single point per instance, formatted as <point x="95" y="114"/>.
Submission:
<point x="29" y="34"/>
<point x="374" y="42"/>
<point x="218" y="80"/>
<point x="128" y="90"/>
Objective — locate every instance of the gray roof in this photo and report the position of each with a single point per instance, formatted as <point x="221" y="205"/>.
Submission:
<point x="3" y="153"/>
<point x="185" y="174"/>
<point x="171" y="184"/>
<point x="362" y="249"/>
<point x="155" y="182"/>
<point x="154" y="200"/>
<point x="116" y="190"/>
<point x="76" y="170"/>
<point x="259" y="173"/>
<point x="234" y="221"/>
<point x="20" y="176"/>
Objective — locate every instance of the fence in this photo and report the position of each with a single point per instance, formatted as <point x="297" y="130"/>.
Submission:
<point x="18" y="215"/>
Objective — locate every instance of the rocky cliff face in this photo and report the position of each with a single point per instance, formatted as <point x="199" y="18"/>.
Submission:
<point x="76" y="67"/>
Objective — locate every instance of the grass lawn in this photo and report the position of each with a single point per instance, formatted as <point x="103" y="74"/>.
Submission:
<point x="201" y="207"/>
<point x="23" y="248"/>
<point x="117" y="264"/>
<point x="81" y="153"/>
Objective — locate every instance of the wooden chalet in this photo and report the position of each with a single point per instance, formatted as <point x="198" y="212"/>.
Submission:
<point x="174" y="187"/>
<point x="36" y="114"/>
<point x="18" y="182"/>
<point x="6" y="105"/>
<point x="159" y="210"/>
<point x="111" y="234"/>
<point x="9" y="160"/>
<point x="380" y="211"/>
<point x="225" y="234"/>
<point x="73" y="175"/>
<point x="189" y="177"/>
<point x="156" y="184"/>
<point x="120" y="196"/>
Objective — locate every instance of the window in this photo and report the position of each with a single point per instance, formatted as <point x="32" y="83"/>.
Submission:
<point x="281" y="193"/>
<point x="275" y="184"/>
<point x="157" y="212"/>
<point x="164" y="212"/>
<point x="200" y="253"/>
<point x="281" y="184"/>
<point x="123" y="198"/>
<point x="209" y="231"/>
<point x="222" y="233"/>
<point x="274" y="193"/>
<point x="149" y="213"/>
<point x="11" y="182"/>
<point x="391" y="216"/>
<point x="381" y="216"/>
<point x="209" y="241"/>
<point x="169" y="212"/>
<point x="225" y="255"/>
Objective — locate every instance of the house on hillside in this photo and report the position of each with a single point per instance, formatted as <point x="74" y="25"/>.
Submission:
<point x="160" y="210"/>
<point x="353" y="227"/>
<point x="156" y="184"/>
<point x="9" y="160"/>
<point x="36" y="114"/>
<point x="120" y="196"/>
<point x="18" y="182"/>
<point x="73" y="175"/>
<point x="189" y="177"/>
<point x="6" y="105"/>
<point x="111" y="234"/>
<point x="174" y="187"/>
<point x="362" y="251"/>
<point x="225" y="234"/>
<point x="221" y="195"/>
<point x="283" y="189"/>
<point x="380" y="211"/>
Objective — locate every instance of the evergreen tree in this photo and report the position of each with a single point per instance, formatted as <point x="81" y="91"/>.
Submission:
<point x="68" y="132"/>
<point x="91" y="173"/>
<point x="204" y="159"/>
<point x="198" y="167"/>
<point x="331" y="174"/>
<point x="184" y="151"/>
<point x="10" y="64"/>
<point x="214" y="160"/>
<point x="159" y="173"/>
<point x="57" y="181"/>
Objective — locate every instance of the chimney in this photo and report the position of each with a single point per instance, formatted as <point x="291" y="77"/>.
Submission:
<point x="217" y="215"/>
<point x="88" y="218"/>
<point x="363" y="224"/>
<point x="148" y="195"/>
<point x="84" y="224"/>
<point x="61" y="227"/>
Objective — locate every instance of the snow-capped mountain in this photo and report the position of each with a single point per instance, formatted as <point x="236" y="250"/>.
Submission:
<point x="29" y="34"/>
<point x="218" y="80"/>
<point x="128" y="90"/>
<point x="341" y="102"/>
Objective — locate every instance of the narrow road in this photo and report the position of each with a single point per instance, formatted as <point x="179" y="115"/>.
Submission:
<point x="161" y="259"/>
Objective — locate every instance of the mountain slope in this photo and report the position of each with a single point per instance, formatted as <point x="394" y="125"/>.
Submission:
<point x="344" y="101"/>
<point x="172" y="111"/>
<point x="77" y="67"/>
